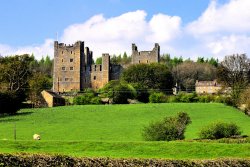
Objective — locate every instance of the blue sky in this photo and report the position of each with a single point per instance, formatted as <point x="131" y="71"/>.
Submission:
<point x="188" y="28"/>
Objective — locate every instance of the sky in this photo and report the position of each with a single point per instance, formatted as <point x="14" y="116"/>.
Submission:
<point x="187" y="28"/>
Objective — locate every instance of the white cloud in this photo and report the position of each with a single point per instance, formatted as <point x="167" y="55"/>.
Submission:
<point x="221" y="30"/>
<point x="115" y="35"/>
<point x="37" y="50"/>
<point x="163" y="28"/>
<point x="230" y="44"/>
<point x="233" y="17"/>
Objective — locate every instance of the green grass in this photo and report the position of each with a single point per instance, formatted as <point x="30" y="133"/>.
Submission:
<point x="166" y="150"/>
<point x="115" y="130"/>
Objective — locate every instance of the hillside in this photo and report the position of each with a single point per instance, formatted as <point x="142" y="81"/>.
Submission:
<point x="112" y="122"/>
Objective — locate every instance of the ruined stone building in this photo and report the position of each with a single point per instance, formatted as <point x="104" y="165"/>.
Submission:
<point x="145" y="56"/>
<point x="74" y="69"/>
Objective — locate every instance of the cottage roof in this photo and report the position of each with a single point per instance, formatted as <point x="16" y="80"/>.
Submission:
<point x="207" y="83"/>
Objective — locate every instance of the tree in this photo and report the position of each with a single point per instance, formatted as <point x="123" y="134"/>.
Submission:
<point x="125" y="58"/>
<point x="98" y="60"/>
<point x="186" y="74"/>
<point x="45" y="66"/>
<point x="37" y="84"/>
<point x="151" y="76"/>
<point x="120" y="92"/>
<point x="166" y="59"/>
<point x="213" y="62"/>
<point x="15" y="71"/>
<point x="10" y="102"/>
<point x="145" y="77"/>
<point x="200" y="60"/>
<point x="233" y="71"/>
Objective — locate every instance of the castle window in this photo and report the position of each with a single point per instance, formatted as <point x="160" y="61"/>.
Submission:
<point x="62" y="52"/>
<point x="94" y="77"/>
<point x="71" y="52"/>
<point x="71" y="68"/>
<point x="68" y="79"/>
<point x="95" y="67"/>
<point x="62" y="60"/>
<point x="139" y="61"/>
<point x="147" y="61"/>
<point x="71" y="60"/>
<point x="63" y="68"/>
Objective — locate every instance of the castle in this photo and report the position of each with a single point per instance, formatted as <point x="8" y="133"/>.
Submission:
<point x="74" y="69"/>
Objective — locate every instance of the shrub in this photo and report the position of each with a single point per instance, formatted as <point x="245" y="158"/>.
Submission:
<point x="142" y="93"/>
<point x="10" y="102"/>
<point x="118" y="91"/>
<point x="170" y="128"/>
<point x="219" y="130"/>
<point x="157" y="97"/>
<point x="88" y="98"/>
<point x="188" y="97"/>
<point x="121" y="94"/>
<point x="205" y="98"/>
<point x="22" y="159"/>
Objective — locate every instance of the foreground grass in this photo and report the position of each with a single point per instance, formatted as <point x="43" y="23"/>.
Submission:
<point x="166" y="150"/>
<point x="112" y="122"/>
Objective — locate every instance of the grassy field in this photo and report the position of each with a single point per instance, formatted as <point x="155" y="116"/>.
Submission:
<point x="166" y="150"/>
<point x="115" y="130"/>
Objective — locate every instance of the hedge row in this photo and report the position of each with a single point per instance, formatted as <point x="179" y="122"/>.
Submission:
<point x="59" y="160"/>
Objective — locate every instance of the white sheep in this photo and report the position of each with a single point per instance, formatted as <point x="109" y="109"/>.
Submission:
<point x="36" y="137"/>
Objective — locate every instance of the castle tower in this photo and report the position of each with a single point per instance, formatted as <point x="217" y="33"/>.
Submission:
<point x="68" y="67"/>
<point x="157" y="52"/>
<point x="105" y="68"/>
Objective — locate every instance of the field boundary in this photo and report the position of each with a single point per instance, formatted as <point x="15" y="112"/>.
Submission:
<point x="60" y="160"/>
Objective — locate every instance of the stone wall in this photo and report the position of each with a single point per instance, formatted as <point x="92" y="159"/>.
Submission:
<point x="75" y="71"/>
<point x="145" y="56"/>
<point x="68" y="61"/>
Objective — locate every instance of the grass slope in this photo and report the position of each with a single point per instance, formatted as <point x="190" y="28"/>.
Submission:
<point x="112" y="122"/>
<point x="115" y="131"/>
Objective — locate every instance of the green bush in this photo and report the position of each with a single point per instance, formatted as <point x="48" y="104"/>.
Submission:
<point x="193" y="97"/>
<point x="120" y="92"/>
<point x="142" y="93"/>
<point x="157" y="97"/>
<point x="183" y="97"/>
<point x="205" y="98"/>
<point x="87" y="98"/>
<point x="170" y="128"/>
<point x="219" y="130"/>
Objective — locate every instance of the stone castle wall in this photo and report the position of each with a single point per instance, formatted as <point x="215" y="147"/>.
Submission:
<point x="145" y="56"/>
<point x="75" y="71"/>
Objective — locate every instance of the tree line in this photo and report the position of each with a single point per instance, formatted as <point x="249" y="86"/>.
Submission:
<point x="23" y="77"/>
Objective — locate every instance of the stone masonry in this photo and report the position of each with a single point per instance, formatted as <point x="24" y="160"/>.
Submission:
<point x="74" y="69"/>
<point x="145" y="56"/>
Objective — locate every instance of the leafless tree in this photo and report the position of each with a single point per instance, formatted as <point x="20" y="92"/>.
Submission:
<point x="233" y="71"/>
